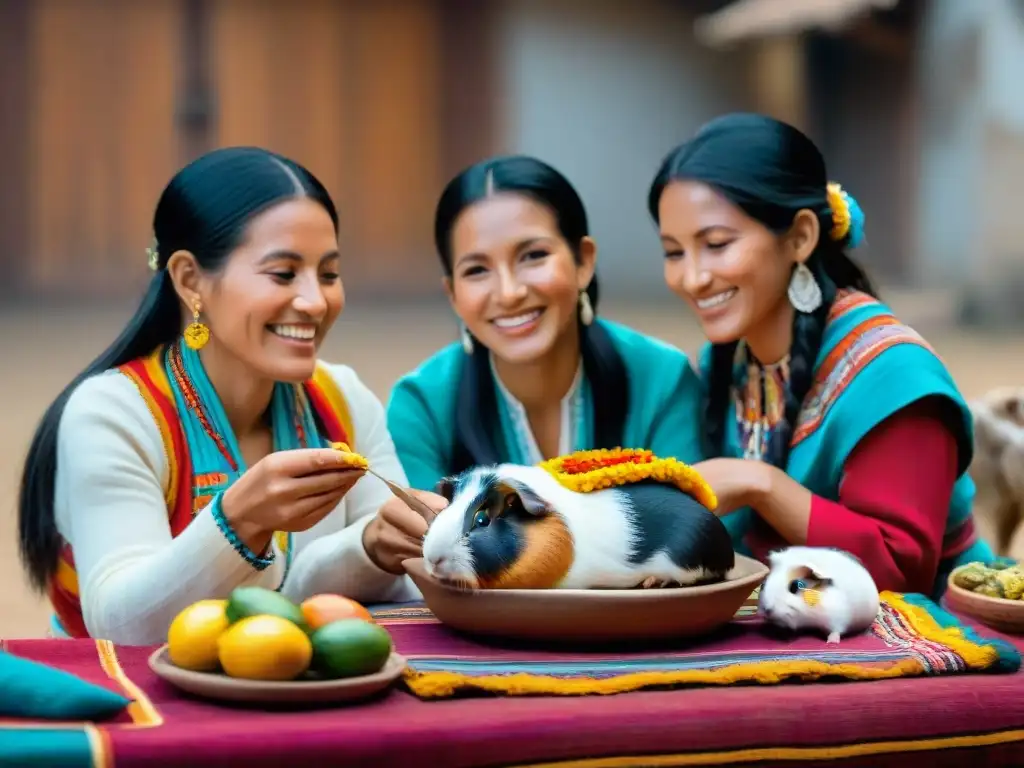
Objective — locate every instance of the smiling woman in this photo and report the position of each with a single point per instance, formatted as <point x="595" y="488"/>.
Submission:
<point x="536" y="374"/>
<point x="830" y="422"/>
<point x="194" y="454"/>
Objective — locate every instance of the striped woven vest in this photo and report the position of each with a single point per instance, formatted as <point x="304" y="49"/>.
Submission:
<point x="149" y="376"/>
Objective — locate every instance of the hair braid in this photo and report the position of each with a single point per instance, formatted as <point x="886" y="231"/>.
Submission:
<point x="771" y="171"/>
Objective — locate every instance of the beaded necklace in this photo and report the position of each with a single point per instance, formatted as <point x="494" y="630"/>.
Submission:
<point x="760" y="399"/>
<point x="213" y="448"/>
<point x="186" y="375"/>
<point x="195" y="405"/>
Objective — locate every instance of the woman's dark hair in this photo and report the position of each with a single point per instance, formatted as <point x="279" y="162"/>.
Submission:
<point x="770" y="170"/>
<point x="204" y="210"/>
<point x="477" y="428"/>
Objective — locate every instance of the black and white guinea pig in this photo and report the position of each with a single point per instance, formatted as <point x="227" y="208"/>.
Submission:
<point x="511" y="526"/>
<point x="818" y="588"/>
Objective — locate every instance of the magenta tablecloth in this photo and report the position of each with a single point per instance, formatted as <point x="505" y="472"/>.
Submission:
<point x="942" y="721"/>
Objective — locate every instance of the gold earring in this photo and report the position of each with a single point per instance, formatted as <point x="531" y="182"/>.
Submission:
<point x="197" y="333"/>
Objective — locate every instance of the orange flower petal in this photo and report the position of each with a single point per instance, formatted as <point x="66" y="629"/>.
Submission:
<point x="587" y="471"/>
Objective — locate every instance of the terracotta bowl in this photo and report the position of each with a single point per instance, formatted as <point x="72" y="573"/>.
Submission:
<point x="591" y="615"/>
<point x="996" y="612"/>
<point x="215" y="685"/>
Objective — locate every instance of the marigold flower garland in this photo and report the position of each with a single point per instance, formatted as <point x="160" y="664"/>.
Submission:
<point x="586" y="471"/>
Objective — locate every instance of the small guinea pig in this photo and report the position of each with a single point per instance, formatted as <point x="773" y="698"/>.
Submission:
<point x="818" y="588"/>
<point x="516" y="527"/>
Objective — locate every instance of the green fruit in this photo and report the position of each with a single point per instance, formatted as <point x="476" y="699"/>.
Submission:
<point x="350" y="648"/>
<point x="257" y="601"/>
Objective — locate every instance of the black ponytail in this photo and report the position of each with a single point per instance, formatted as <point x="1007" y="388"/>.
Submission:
<point x="771" y="171"/>
<point x="478" y="434"/>
<point x="204" y="210"/>
<point x="156" y="321"/>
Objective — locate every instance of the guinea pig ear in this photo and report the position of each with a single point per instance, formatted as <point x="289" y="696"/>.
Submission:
<point x="519" y="496"/>
<point x="775" y="556"/>
<point x="445" y="487"/>
<point x="802" y="572"/>
<point x="1015" y="409"/>
<point x="1007" y="405"/>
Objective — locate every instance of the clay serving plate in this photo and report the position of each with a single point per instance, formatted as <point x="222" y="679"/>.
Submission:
<point x="215" y="685"/>
<point x="998" y="613"/>
<point x="590" y="615"/>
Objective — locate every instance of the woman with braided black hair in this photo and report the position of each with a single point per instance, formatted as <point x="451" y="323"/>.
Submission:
<point x="827" y="421"/>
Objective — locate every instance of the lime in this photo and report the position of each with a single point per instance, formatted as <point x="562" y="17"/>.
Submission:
<point x="350" y="648"/>
<point x="257" y="601"/>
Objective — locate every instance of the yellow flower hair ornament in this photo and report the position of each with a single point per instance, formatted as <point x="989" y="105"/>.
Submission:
<point x="587" y="471"/>
<point x="847" y="216"/>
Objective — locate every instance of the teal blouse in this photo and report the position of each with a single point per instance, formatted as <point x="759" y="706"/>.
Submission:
<point x="662" y="412"/>
<point x="870" y="366"/>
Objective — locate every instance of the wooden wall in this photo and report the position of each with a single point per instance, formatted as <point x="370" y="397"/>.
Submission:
<point x="865" y="114"/>
<point x="101" y="136"/>
<point x="14" y="89"/>
<point x="114" y="95"/>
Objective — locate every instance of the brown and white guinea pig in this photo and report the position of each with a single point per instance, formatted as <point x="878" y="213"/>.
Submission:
<point x="818" y="588"/>
<point x="510" y="526"/>
<point x="998" y="469"/>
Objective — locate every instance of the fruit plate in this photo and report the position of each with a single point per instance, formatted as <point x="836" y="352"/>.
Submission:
<point x="590" y="615"/>
<point x="215" y="685"/>
<point x="999" y="613"/>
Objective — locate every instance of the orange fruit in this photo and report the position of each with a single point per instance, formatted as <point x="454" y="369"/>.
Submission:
<point x="264" y="648"/>
<point x="193" y="635"/>
<point x="323" y="609"/>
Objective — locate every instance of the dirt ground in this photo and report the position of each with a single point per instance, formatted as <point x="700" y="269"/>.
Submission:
<point x="43" y="347"/>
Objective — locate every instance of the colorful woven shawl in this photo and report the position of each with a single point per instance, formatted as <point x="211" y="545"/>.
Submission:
<point x="187" y="489"/>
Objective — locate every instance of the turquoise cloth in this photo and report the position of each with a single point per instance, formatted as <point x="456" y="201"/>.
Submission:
<point x="886" y="367"/>
<point x="45" y="748"/>
<point x="662" y="412"/>
<point x="35" y="691"/>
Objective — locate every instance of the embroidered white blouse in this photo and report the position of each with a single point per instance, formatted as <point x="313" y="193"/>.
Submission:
<point x="134" y="578"/>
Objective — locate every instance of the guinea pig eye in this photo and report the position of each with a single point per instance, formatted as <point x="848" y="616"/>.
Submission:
<point x="481" y="519"/>
<point x="795" y="586"/>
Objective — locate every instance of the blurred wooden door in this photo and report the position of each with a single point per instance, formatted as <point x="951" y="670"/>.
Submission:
<point x="101" y="139"/>
<point x="108" y="98"/>
<point x="14" y="100"/>
<point x="351" y="90"/>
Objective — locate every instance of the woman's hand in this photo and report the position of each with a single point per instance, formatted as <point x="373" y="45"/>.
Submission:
<point x="737" y="483"/>
<point x="286" y="491"/>
<point x="396" y="532"/>
<point x="777" y="498"/>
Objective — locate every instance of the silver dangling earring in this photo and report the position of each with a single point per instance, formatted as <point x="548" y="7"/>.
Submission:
<point x="804" y="292"/>
<point x="467" y="341"/>
<point x="586" y="309"/>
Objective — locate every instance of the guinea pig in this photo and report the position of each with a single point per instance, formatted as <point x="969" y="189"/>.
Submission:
<point x="819" y="588"/>
<point x="510" y="526"/>
<point x="998" y="469"/>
